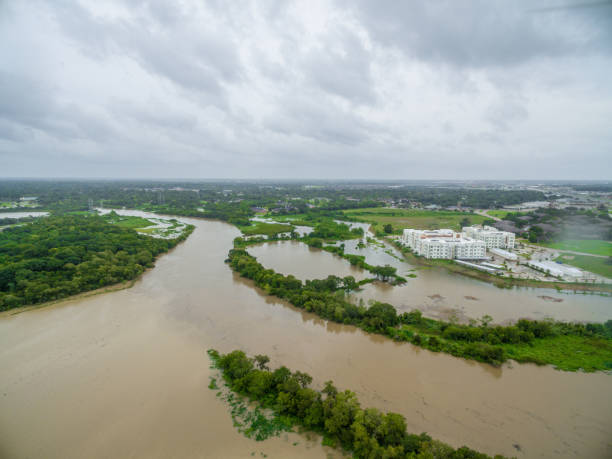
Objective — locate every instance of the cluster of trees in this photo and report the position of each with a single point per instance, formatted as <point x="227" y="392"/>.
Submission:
<point x="481" y="342"/>
<point x="331" y="230"/>
<point x="338" y="415"/>
<point x="55" y="257"/>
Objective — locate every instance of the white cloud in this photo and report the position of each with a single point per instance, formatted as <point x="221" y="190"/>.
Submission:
<point x="305" y="89"/>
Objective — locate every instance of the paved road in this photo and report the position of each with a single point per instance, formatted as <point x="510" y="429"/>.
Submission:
<point x="485" y="214"/>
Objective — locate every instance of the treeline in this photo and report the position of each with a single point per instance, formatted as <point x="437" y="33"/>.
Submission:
<point x="285" y="197"/>
<point x="484" y="343"/>
<point x="338" y="415"/>
<point x="55" y="257"/>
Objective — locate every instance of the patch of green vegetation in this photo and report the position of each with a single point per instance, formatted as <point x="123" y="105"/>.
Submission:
<point x="595" y="246"/>
<point x="597" y="265"/>
<point x="568" y="347"/>
<point x="413" y="218"/>
<point x="337" y="415"/>
<point x="257" y="422"/>
<point x="569" y="353"/>
<point x="127" y="222"/>
<point x="266" y="229"/>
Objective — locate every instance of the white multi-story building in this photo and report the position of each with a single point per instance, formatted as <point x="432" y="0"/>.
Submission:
<point x="470" y="249"/>
<point x="444" y="244"/>
<point x="492" y="237"/>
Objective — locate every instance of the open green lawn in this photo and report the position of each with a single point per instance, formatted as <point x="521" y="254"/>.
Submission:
<point x="597" y="265"/>
<point x="500" y="213"/>
<point x="594" y="246"/>
<point x="409" y="218"/>
<point x="268" y="229"/>
<point x="130" y="222"/>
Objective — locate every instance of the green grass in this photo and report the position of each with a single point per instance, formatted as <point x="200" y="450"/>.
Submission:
<point x="592" y="246"/>
<point x="597" y="265"/>
<point x="564" y="352"/>
<point x="131" y="222"/>
<point x="569" y="353"/>
<point x="409" y="218"/>
<point x="268" y="229"/>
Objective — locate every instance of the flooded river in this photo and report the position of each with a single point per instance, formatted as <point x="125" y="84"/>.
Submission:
<point x="435" y="291"/>
<point x="125" y="374"/>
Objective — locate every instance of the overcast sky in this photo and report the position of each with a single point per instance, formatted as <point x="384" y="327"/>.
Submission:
<point x="455" y="89"/>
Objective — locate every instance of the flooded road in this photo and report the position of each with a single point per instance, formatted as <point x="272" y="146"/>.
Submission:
<point x="125" y="374"/>
<point x="435" y="291"/>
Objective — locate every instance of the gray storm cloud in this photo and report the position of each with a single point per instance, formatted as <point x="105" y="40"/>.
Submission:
<point x="247" y="89"/>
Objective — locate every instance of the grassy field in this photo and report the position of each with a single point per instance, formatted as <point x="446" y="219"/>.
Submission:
<point x="594" y="246"/>
<point x="418" y="219"/>
<point x="130" y="222"/>
<point x="597" y="265"/>
<point x="267" y="229"/>
<point x="498" y="213"/>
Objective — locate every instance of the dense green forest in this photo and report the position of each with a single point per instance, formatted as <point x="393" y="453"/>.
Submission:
<point x="338" y="415"/>
<point x="55" y="257"/>
<point x="542" y="342"/>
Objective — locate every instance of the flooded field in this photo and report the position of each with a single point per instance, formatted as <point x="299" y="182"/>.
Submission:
<point x="435" y="291"/>
<point x="125" y="374"/>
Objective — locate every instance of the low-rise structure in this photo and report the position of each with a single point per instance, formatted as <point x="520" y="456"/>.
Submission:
<point x="555" y="269"/>
<point x="504" y="254"/>
<point x="492" y="237"/>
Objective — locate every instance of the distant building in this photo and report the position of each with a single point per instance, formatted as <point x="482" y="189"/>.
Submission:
<point x="443" y="244"/>
<point x="492" y="237"/>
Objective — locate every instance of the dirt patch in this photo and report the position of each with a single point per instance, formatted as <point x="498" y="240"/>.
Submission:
<point x="550" y="298"/>
<point x="436" y="297"/>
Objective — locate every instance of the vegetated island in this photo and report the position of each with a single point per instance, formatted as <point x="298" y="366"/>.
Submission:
<point x="567" y="346"/>
<point x="337" y="415"/>
<point x="60" y="256"/>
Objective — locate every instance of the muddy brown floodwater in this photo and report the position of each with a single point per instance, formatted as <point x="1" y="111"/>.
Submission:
<point x="435" y="291"/>
<point x="125" y="374"/>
